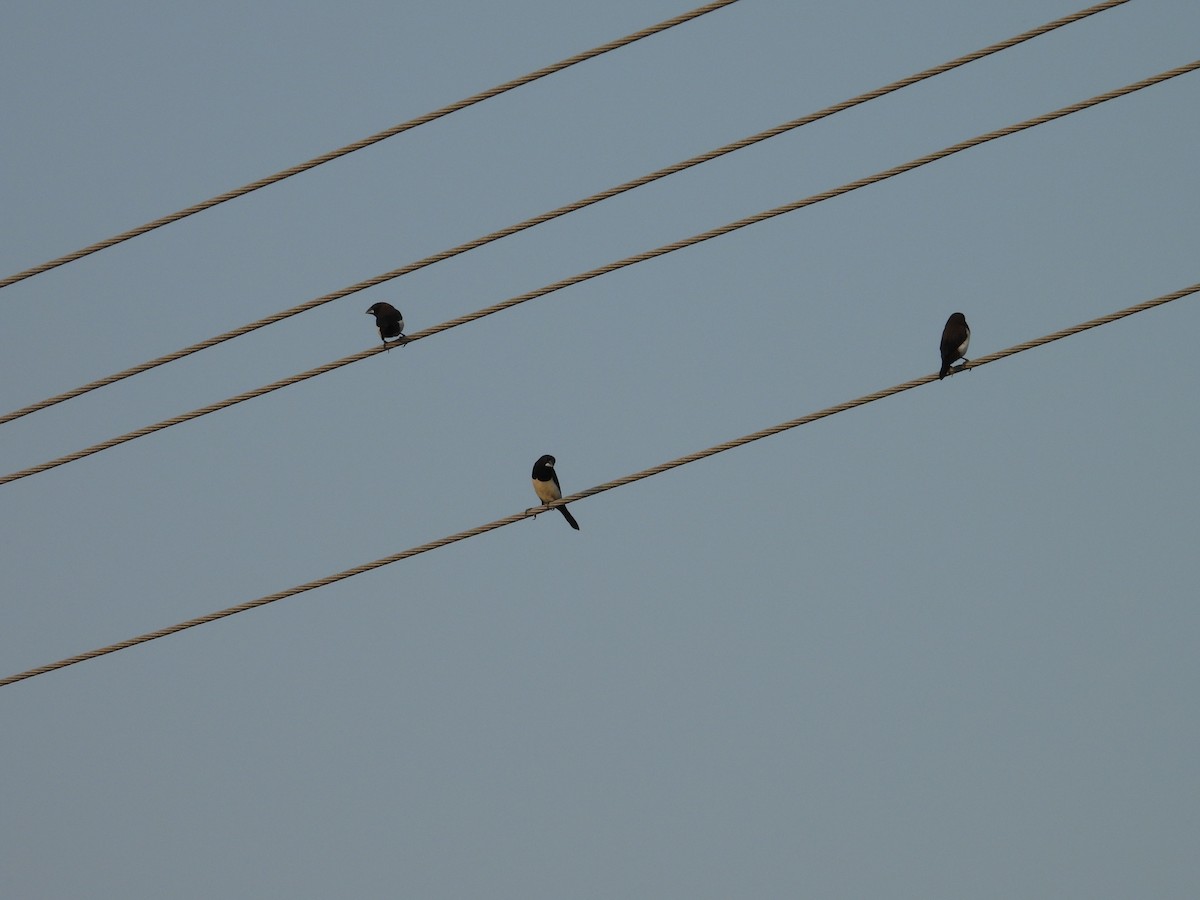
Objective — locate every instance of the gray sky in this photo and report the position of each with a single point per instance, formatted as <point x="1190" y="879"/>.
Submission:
<point x="941" y="646"/>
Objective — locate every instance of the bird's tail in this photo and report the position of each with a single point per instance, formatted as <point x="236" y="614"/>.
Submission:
<point x="945" y="371"/>
<point x="570" y="518"/>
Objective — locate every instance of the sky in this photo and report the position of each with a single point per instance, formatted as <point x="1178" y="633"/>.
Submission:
<point x="939" y="646"/>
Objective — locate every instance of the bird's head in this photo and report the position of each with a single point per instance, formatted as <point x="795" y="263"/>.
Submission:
<point x="382" y="309"/>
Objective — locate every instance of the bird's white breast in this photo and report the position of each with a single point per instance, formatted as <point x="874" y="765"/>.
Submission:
<point x="546" y="490"/>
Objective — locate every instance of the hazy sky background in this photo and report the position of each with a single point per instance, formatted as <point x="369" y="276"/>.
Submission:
<point x="942" y="646"/>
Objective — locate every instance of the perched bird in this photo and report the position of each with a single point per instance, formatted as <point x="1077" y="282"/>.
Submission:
<point x="390" y="322"/>
<point x="955" y="338"/>
<point x="546" y="486"/>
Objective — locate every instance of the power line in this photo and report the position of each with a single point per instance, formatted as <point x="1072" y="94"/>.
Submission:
<point x="562" y="210"/>
<point x="599" y="489"/>
<point x="367" y="141"/>
<point x="610" y="267"/>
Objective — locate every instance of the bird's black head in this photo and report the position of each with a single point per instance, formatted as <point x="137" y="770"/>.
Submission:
<point x="543" y="469"/>
<point x="383" y="310"/>
<point x="956" y="319"/>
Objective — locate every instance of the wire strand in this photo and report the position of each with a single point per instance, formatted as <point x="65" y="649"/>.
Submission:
<point x="562" y="210"/>
<point x="367" y="141"/>
<point x="604" y="270"/>
<point x="600" y="489"/>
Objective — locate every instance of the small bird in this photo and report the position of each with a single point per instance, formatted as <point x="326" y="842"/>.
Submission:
<point x="547" y="488"/>
<point x="390" y="322"/>
<point x="955" y="338"/>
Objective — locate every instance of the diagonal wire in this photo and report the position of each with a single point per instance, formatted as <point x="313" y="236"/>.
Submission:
<point x="561" y="211"/>
<point x="605" y="269"/>
<point x="367" y="141"/>
<point x="600" y="489"/>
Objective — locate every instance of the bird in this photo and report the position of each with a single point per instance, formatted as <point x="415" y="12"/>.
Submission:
<point x="955" y="338"/>
<point x="390" y="322"/>
<point x="547" y="488"/>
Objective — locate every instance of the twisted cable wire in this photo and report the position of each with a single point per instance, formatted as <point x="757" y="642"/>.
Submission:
<point x="610" y="267"/>
<point x="366" y="142"/>
<point x="559" y="212"/>
<point x="599" y="489"/>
